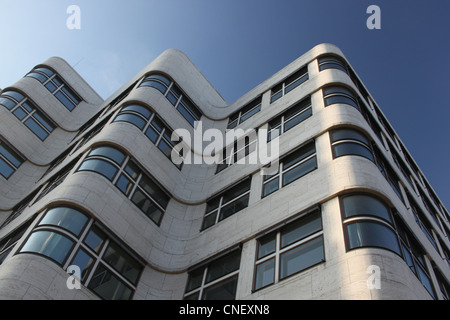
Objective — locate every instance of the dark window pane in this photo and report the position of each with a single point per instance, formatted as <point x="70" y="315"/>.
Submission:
<point x="345" y="134"/>
<point x="347" y="148"/>
<point x="131" y="118"/>
<point x="36" y="128"/>
<point x="297" y="119"/>
<point x="148" y="207"/>
<point x="209" y="220"/>
<point x="154" y="84"/>
<point x="124" y="184"/>
<point x="65" y="101"/>
<point x="108" y="152"/>
<point x="45" y="71"/>
<point x="299" y="171"/>
<point x="108" y="286"/>
<point x="165" y="147"/>
<point x="371" y="234"/>
<point x="10" y="155"/>
<point x="15" y="95"/>
<point x="195" y="279"/>
<point x="100" y="166"/>
<point x="84" y="261"/>
<point x="265" y="274"/>
<point x="340" y="99"/>
<point x="50" y="86"/>
<point x="50" y="244"/>
<point x="234" y="207"/>
<point x="7" y="103"/>
<point x="43" y="121"/>
<point x="67" y="218"/>
<point x="154" y="191"/>
<point x="237" y="190"/>
<point x="276" y="96"/>
<point x="298" y="155"/>
<point x="95" y="238"/>
<point x="159" y="77"/>
<point x="71" y="95"/>
<point x="20" y="113"/>
<point x="296" y="83"/>
<point x="266" y="245"/>
<point x="5" y="169"/>
<point x="182" y="109"/>
<point x="152" y="134"/>
<point x="301" y="229"/>
<point x="271" y="186"/>
<point x="223" y="266"/>
<point x="357" y="205"/>
<point x="40" y="77"/>
<point x="250" y="113"/>
<point x="301" y="257"/>
<point x="122" y="262"/>
<point x="146" y="113"/>
<point x="224" y="290"/>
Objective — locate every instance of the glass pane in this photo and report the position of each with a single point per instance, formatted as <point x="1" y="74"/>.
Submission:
<point x="10" y="155"/>
<point x="236" y="191"/>
<point x="50" y="86"/>
<point x="50" y="244"/>
<point x="84" y="261"/>
<point x="71" y="95"/>
<point x="297" y="119"/>
<point x="371" y="234"/>
<point x="108" y="286"/>
<point x="182" y="109"/>
<point x="355" y="205"/>
<point x="296" y="83"/>
<point x="41" y="78"/>
<point x="298" y="155"/>
<point x="340" y="99"/>
<point x="154" y="191"/>
<point x="154" y="84"/>
<point x="46" y="71"/>
<point x="172" y="98"/>
<point x="348" y="135"/>
<point x="234" y="207"/>
<point x="301" y="229"/>
<point x="265" y="274"/>
<point x="7" y="103"/>
<point x="271" y="186"/>
<point x="209" y="220"/>
<point x="15" y="95"/>
<point x="426" y="281"/>
<point x="159" y="77"/>
<point x="65" y="101"/>
<point x="36" y="128"/>
<point x="349" y="148"/>
<point x="301" y="257"/>
<point x="266" y="245"/>
<point x="195" y="279"/>
<point x="148" y="207"/>
<point x="100" y="166"/>
<point x="132" y="169"/>
<point x="122" y="262"/>
<point x="224" y="290"/>
<point x="152" y="134"/>
<point x="5" y="169"/>
<point x="299" y="171"/>
<point x="95" y="238"/>
<point x="223" y="266"/>
<point x="250" y="113"/>
<point x="276" y="96"/>
<point x="146" y="113"/>
<point x="20" y="113"/>
<point x="43" y="121"/>
<point x="165" y="147"/>
<point x="131" y="118"/>
<point x="67" y="218"/>
<point x="108" y="152"/>
<point x="28" y="106"/>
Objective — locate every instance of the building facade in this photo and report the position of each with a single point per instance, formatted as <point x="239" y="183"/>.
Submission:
<point x="93" y="205"/>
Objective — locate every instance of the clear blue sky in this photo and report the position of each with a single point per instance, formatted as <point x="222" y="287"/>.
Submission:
<point x="237" y="44"/>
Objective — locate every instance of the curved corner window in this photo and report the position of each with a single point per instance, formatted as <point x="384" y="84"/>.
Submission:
<point x="368" y="223"/>
<point x="28" y="113"/>
<point x="339" y="94"/>
<point x="350" y="142"/>
<point x="56" y="85"/>
<point x="174" y="94"/>
<point x="332" y="62"/>
<point x="128" y="176"/>
<point x="152" y="126"/>
<point x="10" y="160"/>
<point x="70" y="238"/>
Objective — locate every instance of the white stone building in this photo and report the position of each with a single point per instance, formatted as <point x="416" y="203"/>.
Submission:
<point x="89" y="186"/>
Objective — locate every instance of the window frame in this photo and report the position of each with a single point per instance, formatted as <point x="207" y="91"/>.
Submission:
<point x="285" y="85"/>
<point x="14" y="153"/>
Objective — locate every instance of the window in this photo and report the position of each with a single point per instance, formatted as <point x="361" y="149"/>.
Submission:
<point x="174" y="94"/>
<point x="290" y="118"/>
<point x="150" y="124"/>
<point x="70" y="237"/>
<point x="10" y="160"/>
<point x="54" y="83"/>
<point x="227" y="203"/>
<point x="126" y="174"/>
<point x="368" y="223"/>
<point x="244" y="113"/>
<point x="292" y="167"/>
<point x="289" y="84"/>
<point x="237" y="151"/>
<point x="26" y="111"/>
<point x="339" y="94"/>
<point x="289" y="250"/>
<point x="332" y="62"/>
<point x="350" y="142"/>
<point x="387" y="172"/>
<point x="215" y="280"/>
<point x="8" y="243"/>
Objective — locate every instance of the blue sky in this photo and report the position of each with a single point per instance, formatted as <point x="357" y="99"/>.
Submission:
<point x="237" y="44"/>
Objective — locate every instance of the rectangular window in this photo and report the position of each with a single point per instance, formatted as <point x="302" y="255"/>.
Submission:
<point x="10" y="160"/>
<point x="227" y="203"/>
<point x="238" y="151"/>
<point x="292" y="167"/>
<point x="289" y="84"/>
<point x="246" y="112"/>
<point x="216" y="280"/>
<point x="289" y="250"/>
<point x="290" y="118"/>
<point x="68" y="97"/>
